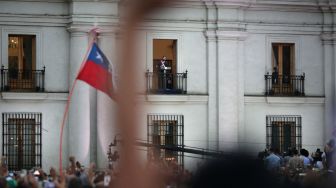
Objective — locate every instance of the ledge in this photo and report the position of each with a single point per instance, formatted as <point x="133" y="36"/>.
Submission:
<point x="34" y="96"/>
<point x="203" y="99"/>
<point x="284" y="100"/>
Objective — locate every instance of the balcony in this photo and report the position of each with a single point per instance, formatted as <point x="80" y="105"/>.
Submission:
<point x="284" y="85"/>
<point x="166" y="83"/>
<point x="14" y="80"/>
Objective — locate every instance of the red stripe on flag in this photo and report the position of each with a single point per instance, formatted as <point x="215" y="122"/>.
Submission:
<point x="98" y="77"/>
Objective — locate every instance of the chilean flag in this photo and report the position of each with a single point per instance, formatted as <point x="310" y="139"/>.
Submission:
<point x="97" y="71"/>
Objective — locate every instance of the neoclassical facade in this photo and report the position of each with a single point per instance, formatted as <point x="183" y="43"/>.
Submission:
<point x="240" y="75"/>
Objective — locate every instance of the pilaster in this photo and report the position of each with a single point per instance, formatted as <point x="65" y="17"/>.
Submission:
<point x="79" y="111"/>
<point x="328" y="41"/>
<point x="106" y="107"/>
<point x="230" y="92"/>
<point x="212" y="59"/>
<point x="225" y="52"/>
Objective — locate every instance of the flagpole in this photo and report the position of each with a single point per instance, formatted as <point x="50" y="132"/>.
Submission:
<point x="66" y="111"/>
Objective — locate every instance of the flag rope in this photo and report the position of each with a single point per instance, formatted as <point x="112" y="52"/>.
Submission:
<point x="66" y="111"/>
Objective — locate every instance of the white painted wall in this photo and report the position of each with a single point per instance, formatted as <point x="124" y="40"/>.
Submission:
<point x="55" y="57"/>
<point x="194" y="60"/>
<point x="255" y="65"/>
<point x="52" y="109"/>
<point x="311" y="112"/>
<point x="312" y="65"/>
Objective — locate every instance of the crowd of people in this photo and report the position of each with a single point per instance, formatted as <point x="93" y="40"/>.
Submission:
<point x="75" y="176"/>
<point x="300" y="165"/>
<point x="297" y="167"/>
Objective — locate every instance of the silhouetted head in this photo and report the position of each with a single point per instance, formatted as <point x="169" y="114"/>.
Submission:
<point x="331" y="143"/>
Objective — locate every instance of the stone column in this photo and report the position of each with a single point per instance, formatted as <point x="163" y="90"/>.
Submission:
<point x="79" y="111"/>
<point x="230" y="92"/>
<point x="106" y="107"/>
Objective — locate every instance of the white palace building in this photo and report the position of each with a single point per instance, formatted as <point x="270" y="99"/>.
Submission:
<point x="240" y="74"/>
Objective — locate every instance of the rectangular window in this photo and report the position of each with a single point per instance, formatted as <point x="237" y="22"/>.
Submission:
<point x="21" y="62"/>
<point x="283" y="58"/>
<point x="283" y="80"/>
<point x="283" y="132"/>
<point x="22" y="140"/>
<point x="164" y="48"/>
<point x="166" y="130"/>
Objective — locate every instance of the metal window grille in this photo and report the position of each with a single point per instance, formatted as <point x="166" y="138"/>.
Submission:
<point x="166" y="130"/>
<point x="283" y="132"/>
<point x="22" y="140"/>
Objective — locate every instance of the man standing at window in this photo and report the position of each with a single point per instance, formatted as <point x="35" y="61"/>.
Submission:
<point x="162" y="74"/>
<point x="163" y="66"/>
<point x="275" y="76"/>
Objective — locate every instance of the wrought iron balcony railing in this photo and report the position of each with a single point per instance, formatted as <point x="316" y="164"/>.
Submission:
<point x="166" y="83"/>
<point x="15" y="80"/>
<point x="284" y="85"/>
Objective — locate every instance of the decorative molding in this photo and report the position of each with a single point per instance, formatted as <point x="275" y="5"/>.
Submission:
<point x="210" y="35"/>
<point x="80" y="30"/>
<point x="15" y="96"/>
<point x="225" y="35"/>
<point x="284" y="100"/>
<point x="284" y="28"/>
<point x="42" y="1"/>
<point x="328" y="38"/>
<point x="234" y="3"/>
<point x="203" y="99"/>
<point x="107" y="1"/>
<point x="34" y="20"/>
<point x="231" y="35"/>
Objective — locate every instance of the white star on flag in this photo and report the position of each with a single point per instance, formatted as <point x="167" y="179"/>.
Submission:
<point x="99" y="57"/>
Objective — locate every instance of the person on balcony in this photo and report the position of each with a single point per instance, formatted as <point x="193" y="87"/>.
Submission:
<point x="163" y="66"/>
<point x="162" y="74"/>
<point x="275" y="76"/>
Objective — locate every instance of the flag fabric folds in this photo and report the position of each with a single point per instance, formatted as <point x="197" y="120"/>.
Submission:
<point x="97" y="71"/>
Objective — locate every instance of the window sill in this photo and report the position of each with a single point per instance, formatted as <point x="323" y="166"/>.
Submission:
<point x="284" y="100"/>
<point x="34" y="96"/>
<point x="176" y="98"/>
